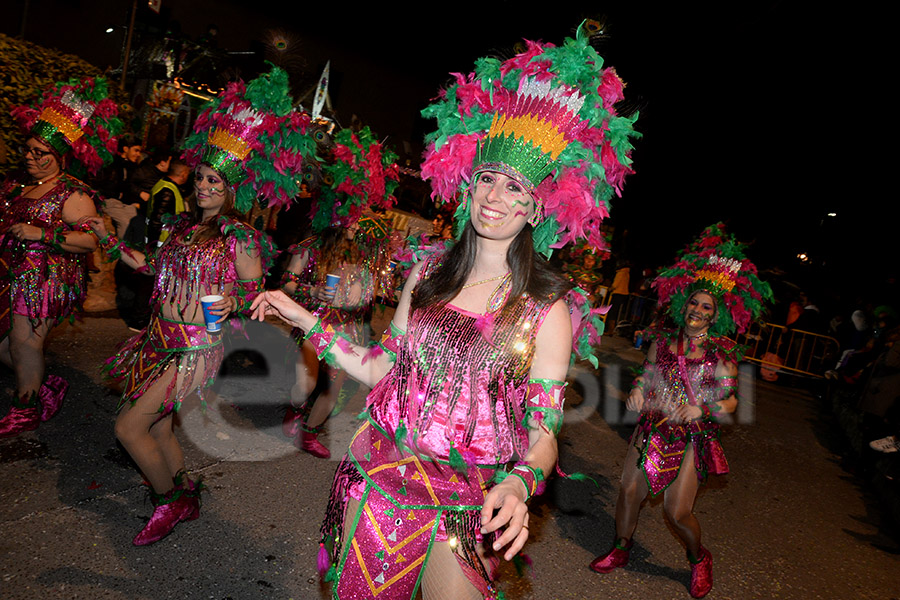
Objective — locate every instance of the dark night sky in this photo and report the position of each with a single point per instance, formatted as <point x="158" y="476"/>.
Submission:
<point x="766" y="115"/>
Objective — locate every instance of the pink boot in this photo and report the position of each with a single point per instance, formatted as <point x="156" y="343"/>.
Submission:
<point x="309" y="442"/>
<point x="701" y="574"/>
<point x="181" y="503"/>
<point x="25" y="415"/>
<point x="615" y="558"/>
<point x="290" y="426"/>
<point x="51" y="395"/>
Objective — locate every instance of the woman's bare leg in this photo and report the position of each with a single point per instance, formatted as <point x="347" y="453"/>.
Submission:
<point x="152" y="444"/>
<point x="678" y="504"/>
<point x="26" y="353"/>
<point x="633" y="491"/>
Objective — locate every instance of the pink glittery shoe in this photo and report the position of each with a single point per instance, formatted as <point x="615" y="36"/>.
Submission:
<point x="615" y="558"/>
<point x="181" y="503"/>
<point x="701" y="574"/>
<point x="19" y="420"/>
<point x="290" y="425"/>
<point x="309" y="442"/>
<point x="51" y="395"/>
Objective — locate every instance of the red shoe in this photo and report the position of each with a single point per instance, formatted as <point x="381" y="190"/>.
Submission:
<point x="51" y="395"/>
<point x="290" y="426"/>
<point x="309" y="442"/>
<point x="701" y="574"/>
<point x="615" y="558"/>
<point x="178" y="504"/>
<point x="19" y="420"/>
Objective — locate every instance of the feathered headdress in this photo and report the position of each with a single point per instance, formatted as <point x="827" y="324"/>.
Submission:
<point x="254" y="139"/>
<point x="362" y="177"/>
<point x="546" y="118"/>
<point x="715" y="263"/>
<point x="78" y="119"/>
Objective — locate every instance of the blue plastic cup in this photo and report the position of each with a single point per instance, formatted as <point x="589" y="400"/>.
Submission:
<point x="206" y="302"/>
<point x="331" y="283"/>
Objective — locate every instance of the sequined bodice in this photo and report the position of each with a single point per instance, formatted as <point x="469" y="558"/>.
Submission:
<point x="667" y="388"/>
<point x="451" y="387"/>
<point x="44" y="212"/>
<point x="185" y="272"/>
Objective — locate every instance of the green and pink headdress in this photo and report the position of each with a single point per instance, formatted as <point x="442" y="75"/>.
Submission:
<point x="78" y="120"/>
<point x="255" y="140"/>
<point x="715" y="263"/>
<point x="361" y="177"/>
<point x="546" y="118"/>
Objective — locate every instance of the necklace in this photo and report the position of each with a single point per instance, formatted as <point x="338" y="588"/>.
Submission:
<point x="39" y="182"/>
<point x="474" y="283"/>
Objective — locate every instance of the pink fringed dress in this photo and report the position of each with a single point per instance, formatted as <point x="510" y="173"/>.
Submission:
<point x="452" y="393"/>
<point x="662" y="444"/>
<point x="184" y="272"/>
<point x="37" y="280"/>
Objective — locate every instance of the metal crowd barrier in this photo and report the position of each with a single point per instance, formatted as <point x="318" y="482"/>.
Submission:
<point x="777" y="348"/>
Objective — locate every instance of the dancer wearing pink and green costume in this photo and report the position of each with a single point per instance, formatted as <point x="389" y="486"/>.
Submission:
<point x="209" y="250"/>
<point x="688" y="382"/>
<point x="43" y="278"/>
<point x="468" y="382"/>
<point x="348" y="242"/>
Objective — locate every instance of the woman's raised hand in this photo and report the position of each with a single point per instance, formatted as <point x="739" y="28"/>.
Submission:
<point x="276" y="302"/>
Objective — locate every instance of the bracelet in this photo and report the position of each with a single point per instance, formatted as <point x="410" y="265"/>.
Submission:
<point x="708" y="414"/>
<point x="55" y="238"/>
<point x="531" y="477"/>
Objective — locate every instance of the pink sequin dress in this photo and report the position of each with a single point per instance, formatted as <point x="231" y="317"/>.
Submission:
<point x="662" y="444"/>
<point x="184" y="272"/>
<point x="37" y="280"/>
<point x="451" y="390"/>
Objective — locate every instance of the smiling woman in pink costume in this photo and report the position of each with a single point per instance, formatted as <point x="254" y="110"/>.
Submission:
<point x="469" y="380"/>
<point x="209" y="250"/>
<point x="42" y="247"/>
<point x="687" y="382"/>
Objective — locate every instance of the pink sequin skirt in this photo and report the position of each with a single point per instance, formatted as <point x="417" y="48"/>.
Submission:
<point x="142" y="360"/>
<point x="405" y="503"/>
<point x="662" y="448"/>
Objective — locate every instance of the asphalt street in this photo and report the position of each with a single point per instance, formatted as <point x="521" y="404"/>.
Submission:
<point x="787" y="522"/>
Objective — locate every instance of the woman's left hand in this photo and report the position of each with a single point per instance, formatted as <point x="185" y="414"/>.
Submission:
<point x="223" y="307"/>
<point x="26" y="233"/>
<point x="686" y="413"/>
<point x="507" y="498"/>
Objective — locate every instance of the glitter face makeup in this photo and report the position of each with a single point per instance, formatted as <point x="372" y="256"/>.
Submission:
<point x="40" y="162"/>
<point x="210" y="190"/>
<point x="700" y="311"/>
<point x="500" y="205"/>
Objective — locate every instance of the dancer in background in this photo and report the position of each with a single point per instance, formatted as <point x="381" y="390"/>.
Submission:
<point x="688" y="381"/>
<point x="363" y="174"/>
<point x="469" y="380"/>
<point x="209" y="250"/>
<point x="42" y="246"/>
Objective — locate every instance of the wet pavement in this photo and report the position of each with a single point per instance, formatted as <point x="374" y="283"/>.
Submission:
<point x="788" y="522"/>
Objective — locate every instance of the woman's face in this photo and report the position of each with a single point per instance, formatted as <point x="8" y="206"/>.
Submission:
<point x="40" y="162"/>
<point x="700" y="311"/>
<point x="350" y="231"/>
<point x="500" y="206"/>
<point x="210" y="189"/>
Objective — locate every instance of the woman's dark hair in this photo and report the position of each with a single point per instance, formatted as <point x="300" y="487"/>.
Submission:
<point x="210" y="229"/>
<point x="334" y="250"/>
<point x="531" y="274"/>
